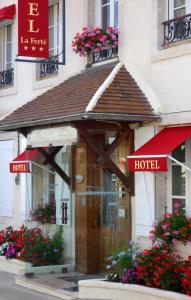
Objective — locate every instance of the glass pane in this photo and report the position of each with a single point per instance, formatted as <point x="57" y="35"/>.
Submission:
<point x="9" y="53"/>
<point x="178" y="3"/>
<point x="177" y="204"/>
<point x="179" y="12"/>
<point x="105" y="16"/>
<point x="179" y="153"/>
<point x="51" y="15"/>
<point x="9" y="33"/>
<point x="178" y="180"/>
<point x="116" y="12"/>
<point x="51" y="38"/>
<point x="104" y="2"/>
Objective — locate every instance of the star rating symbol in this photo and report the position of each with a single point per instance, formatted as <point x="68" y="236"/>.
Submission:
<point x="33" y="48"/>
<point x="26" y="48"/>
<point x="41" y="49"/>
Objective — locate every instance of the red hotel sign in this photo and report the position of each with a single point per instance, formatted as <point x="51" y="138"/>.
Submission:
<point x="151" y="164"/>
<point x="33" y="28"/>
<point x="20" y="167"/>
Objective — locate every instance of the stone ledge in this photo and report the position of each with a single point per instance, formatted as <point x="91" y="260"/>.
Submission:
<point x="18" y="267"/>
<point x="100" y="289"/>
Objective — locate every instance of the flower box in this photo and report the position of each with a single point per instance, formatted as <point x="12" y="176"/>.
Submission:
<point x="17" y="267"/>
<point x="101" y="289"/>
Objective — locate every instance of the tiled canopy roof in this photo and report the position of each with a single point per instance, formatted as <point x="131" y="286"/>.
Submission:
<point x="71" y="97"/>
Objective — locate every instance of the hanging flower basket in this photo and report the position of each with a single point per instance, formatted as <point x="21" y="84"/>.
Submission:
<point x="92" y="40"/>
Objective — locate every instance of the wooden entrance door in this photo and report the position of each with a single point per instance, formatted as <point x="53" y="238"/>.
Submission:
<point x="102" y="208"/>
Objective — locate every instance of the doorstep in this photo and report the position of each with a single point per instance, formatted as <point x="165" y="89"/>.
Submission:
<point x="61" y="285"/>
<point x="102" y="289"/>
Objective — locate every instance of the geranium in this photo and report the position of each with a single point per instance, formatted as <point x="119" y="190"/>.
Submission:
<point x="185" y="272"/>
<point x="172" y="228"/>
<point x="95" y="40"/>
<point x="156" y="268"/>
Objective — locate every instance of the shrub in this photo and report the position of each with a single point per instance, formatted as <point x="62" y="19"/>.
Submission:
<point x="157" y="268"/>
<point x="185" y="272"/>
<point x="124" y="258"/>
<point x="172" y="228"/>
<point x="40" y="250"/>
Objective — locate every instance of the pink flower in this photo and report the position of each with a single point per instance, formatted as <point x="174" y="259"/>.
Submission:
<point x="165" y="226"/>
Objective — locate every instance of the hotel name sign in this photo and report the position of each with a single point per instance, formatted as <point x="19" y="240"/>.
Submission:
<point x="20" y="167"/>
<point x="150" y="164"/>
<point x="33" y="28"/>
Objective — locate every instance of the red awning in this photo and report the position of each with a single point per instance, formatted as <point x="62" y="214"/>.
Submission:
<point x="21" y="164"/>
<point x="7" y="12"/>
<point x="152" y="156"/>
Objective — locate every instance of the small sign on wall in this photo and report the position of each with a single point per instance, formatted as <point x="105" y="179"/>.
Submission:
<point x="20" y="167"/>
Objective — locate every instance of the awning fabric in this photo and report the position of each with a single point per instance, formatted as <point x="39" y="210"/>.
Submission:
<point x="7" y="12"/>
<point x="152" y="156"/>
<point x="21" y="164"/>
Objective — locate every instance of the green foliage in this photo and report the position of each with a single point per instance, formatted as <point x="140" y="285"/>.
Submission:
<point x="45" y="213"/>
<point x="124" y="258"/>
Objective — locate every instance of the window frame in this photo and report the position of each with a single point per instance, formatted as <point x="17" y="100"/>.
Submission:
<point x="55" y="26"/>
<point x="170" y="8"/>
<point x="187" y="196"/>
<point x="4" y="48"/>
<point x="112" y="13"/>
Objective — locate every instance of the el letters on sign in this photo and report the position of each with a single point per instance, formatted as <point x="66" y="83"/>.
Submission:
<point x="33" y="28"/>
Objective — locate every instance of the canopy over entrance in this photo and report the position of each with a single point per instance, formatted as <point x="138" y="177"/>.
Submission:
<point x="153" y="155"/>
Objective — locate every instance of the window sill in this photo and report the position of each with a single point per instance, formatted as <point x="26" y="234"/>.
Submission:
<point x="172" y="51"/>
<point x="8" y="91"/>
<point x="45" y="82"/>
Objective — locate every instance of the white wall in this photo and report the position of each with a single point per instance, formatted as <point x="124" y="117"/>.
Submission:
<point x="164" y="74"/>
<point x="144" y="189"/>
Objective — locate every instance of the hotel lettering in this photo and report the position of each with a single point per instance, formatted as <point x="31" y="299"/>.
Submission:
<point x="146" y="164"/>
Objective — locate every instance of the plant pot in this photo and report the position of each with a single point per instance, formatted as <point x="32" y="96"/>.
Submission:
<point x="183" y="250"/>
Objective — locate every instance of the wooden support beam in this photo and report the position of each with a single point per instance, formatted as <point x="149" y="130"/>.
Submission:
<point x="52" y="153"/>
<point x="90" y="141"/>
<point x="55" y="166"/>
<point x="121" y="136"/>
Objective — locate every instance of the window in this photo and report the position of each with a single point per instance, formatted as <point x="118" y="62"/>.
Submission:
<point x="8" y="47"/>
<point x="178" y="177"/>
<point x="50" y="68"/>
<point x="108" y="13"/>
<point x="178" y="8"/>
<point x="53" y="29"/>
<point x="6" y="74"/>
<point x="177" y="24"/>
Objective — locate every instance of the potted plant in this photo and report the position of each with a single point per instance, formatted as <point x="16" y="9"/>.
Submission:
<point x="94" y="40"/>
